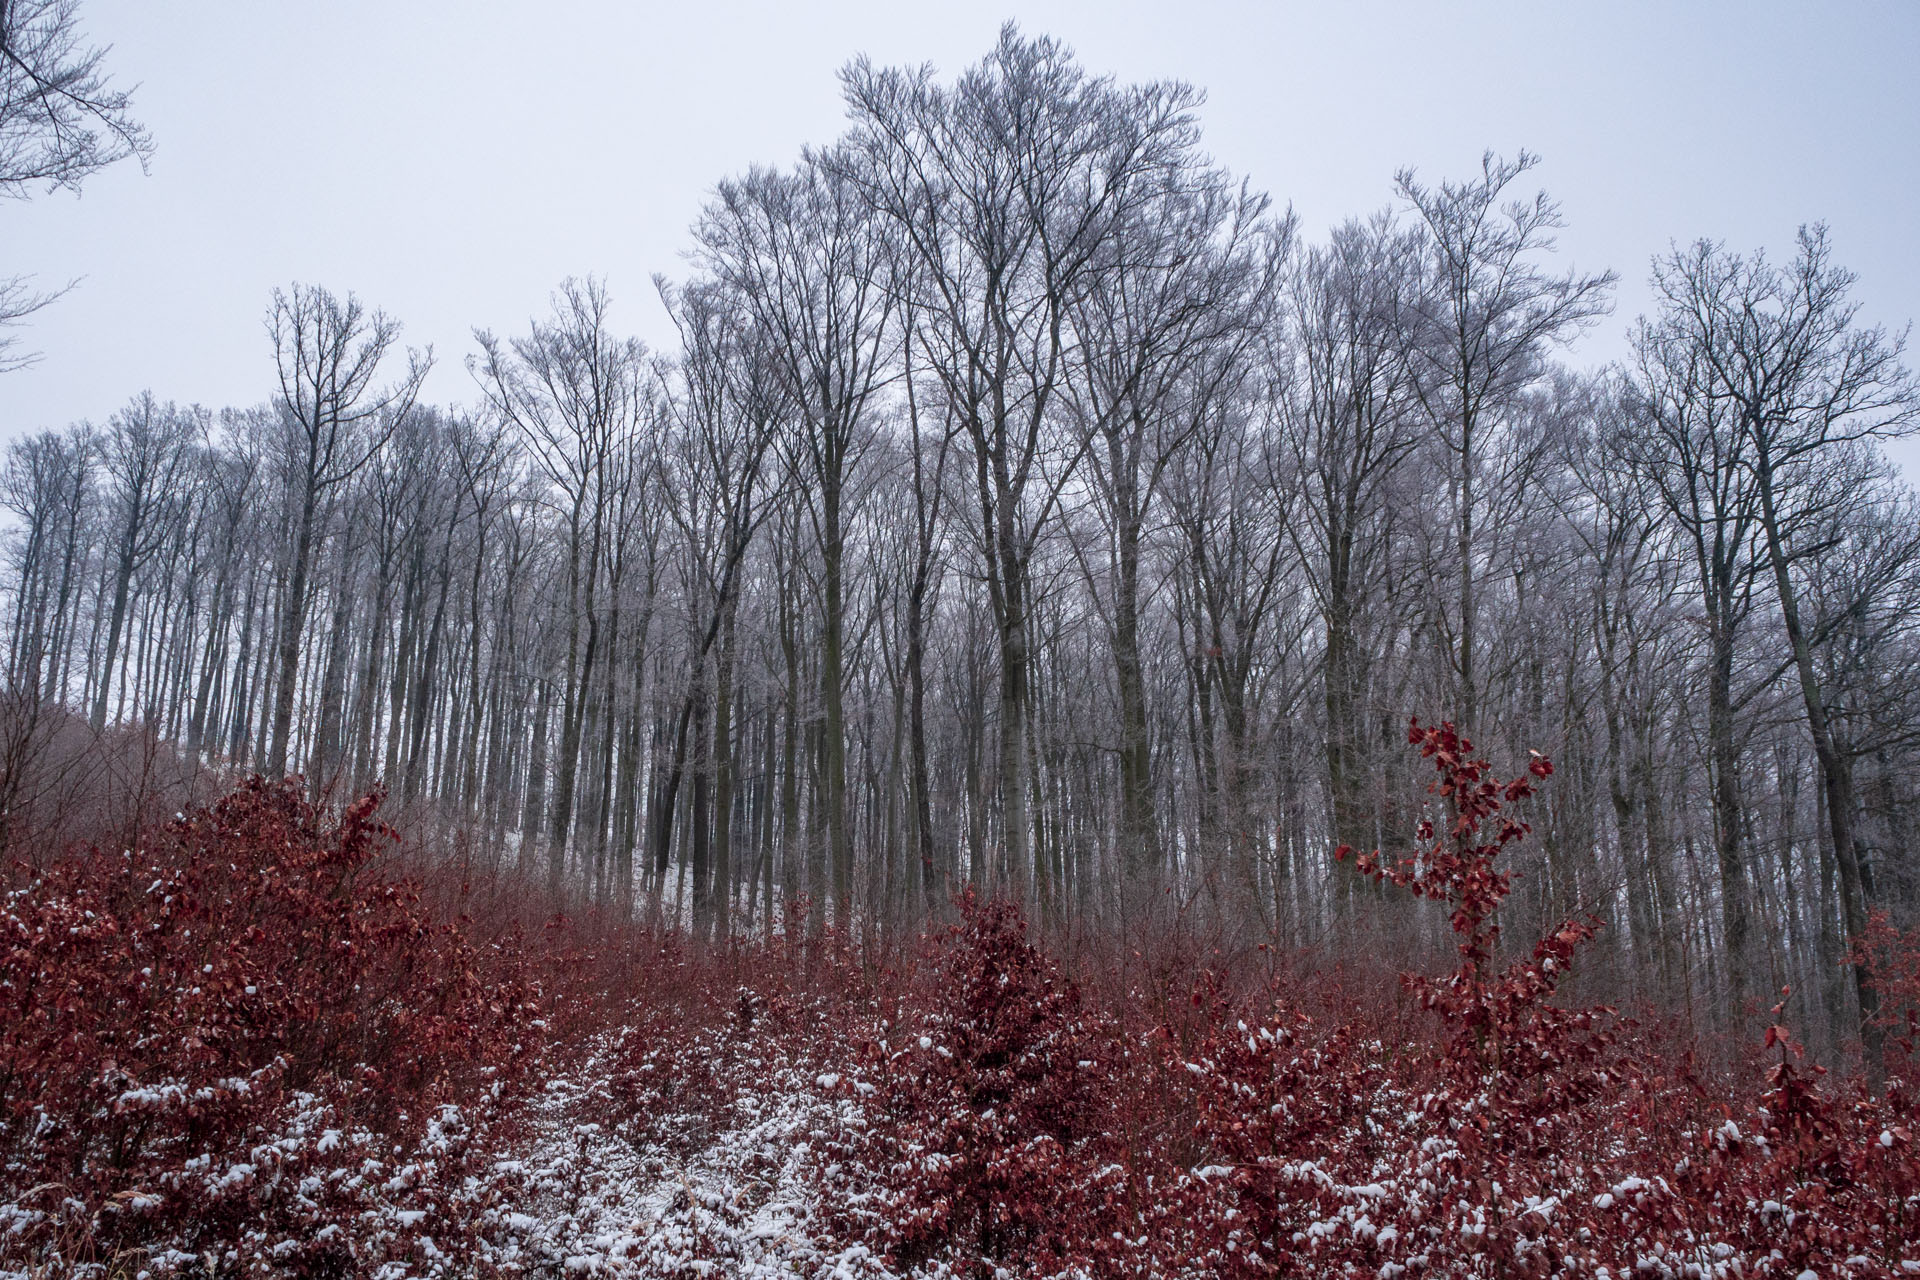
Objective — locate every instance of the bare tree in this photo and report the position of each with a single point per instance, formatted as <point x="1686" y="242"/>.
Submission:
<point x="1614" y="510"/>
<point x="61" y="121"/>
<point x="729" y="409"/>
<point x="1690" y="448"/>
<point x="575" y="391"/>
<point x="1167" y="328"/>
<point x="1004" y="188"/>
<point x="1348" y="410"/>
<point x="1489" y="316"/>
<point x="143" y="454"/>
<point x="48" y="487"/>
<point x="335" y="420"/>
<point x="1801" y="384"/>
<point x="810" y="259"/>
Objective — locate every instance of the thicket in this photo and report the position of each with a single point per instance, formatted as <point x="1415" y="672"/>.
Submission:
<point x="1499" y="1133"/>
<point x="245" y="1043"/>
<point x="249" y="1045"/>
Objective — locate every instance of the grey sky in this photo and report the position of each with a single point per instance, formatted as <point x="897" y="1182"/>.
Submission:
<point x="452" y="162"/>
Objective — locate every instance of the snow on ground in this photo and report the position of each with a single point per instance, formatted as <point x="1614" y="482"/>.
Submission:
<point x="737" y="1203"/>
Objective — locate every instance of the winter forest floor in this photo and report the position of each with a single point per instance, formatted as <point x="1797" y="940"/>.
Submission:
<point x="249" y="1044"/>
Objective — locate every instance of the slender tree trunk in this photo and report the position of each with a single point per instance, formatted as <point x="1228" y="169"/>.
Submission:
<point x="122" y="580"/>
<point x="699" y="816"/>
<point x="534" y="806"/>
<point x="424" y="681"/>
<point x="293" y="614"/>
<point x="930" y="876"/>
<point x="1836" y="776"/>
<point x="572" y="714"/>
<point x="723" y="783"/>
<point x="1727" y="818"/>
<point x="325" y="760"/>
<point x="834" y="731"/>
<point x="1139" y="831"/>
<point x="1469" y="689"/>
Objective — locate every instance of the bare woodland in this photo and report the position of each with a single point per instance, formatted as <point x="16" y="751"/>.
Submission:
<point x="1027" y="503"/>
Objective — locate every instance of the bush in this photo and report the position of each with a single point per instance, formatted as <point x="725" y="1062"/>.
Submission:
<point x="986" y="1128"/>
<point x="1892" y="958"/>
<point x="227" y="1038"/>
<point x="1521" y="1137"/>
<point x="1009" y="1130"/>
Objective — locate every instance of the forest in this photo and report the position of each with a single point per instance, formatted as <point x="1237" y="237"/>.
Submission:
<point x="1030" y="558"/>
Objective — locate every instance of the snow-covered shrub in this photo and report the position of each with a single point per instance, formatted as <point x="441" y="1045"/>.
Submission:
<point x="988" y="1095"/>
<point x="244" y="1038"/>
<point x="1521" y="1137"/>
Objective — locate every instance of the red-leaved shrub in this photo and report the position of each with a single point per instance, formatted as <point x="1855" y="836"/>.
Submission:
<point x="1892" y="958"/>
<point x="988" y="1096"/>
<point x="240" y="1040"/>
<point x="1521" y="1137"/>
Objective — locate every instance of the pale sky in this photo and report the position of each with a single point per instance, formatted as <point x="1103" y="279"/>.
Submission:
<point x="452" y="162"/>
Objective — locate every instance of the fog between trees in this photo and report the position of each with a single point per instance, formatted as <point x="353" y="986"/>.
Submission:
<point x="1027" y="503"/>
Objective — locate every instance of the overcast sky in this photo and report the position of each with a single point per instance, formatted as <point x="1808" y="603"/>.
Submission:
<point x="452" y="162"/>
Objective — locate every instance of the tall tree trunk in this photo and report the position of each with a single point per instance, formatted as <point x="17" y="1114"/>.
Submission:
<point x="422" y="701"/>
<point x="723" y="783"/>
<point x="293" y="615"/>
<point x="1836" y="775"/>
<point x="122" y="580"/>
<point x="930" y="876"/>
<point x="699" y="816"/>
<point x="833" y="761"/>
<point x="1139" y="831"/>
<point x="534" y="806"/>
<point x="572" y="724"/>
<point x="325" y="760"/>
<point x="1727" y="818"/>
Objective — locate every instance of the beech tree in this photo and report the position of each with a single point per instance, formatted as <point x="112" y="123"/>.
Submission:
<point x="727" y="412"/>
<point x="811" y="261"/>
<point x="576" y="393"/>
<point x="143" y="456"/>
<point x="333" y="421"/>
<point x="1005" y="189"/>
<point x="1348" y="405"/>
<point x="1490" y="314"/>
<point x="1794" y="385"/>
<point x="1166" y="332"/>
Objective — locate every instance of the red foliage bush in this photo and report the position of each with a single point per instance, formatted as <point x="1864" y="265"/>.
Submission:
<point x="1892" y="958"/>
<point x="227" y="1039"/>
<point x="987" y="1126"/>
<point x="1522" y="1138"/>
<point x="1009" y="1130"/>
<point x="1511" y="1135"/>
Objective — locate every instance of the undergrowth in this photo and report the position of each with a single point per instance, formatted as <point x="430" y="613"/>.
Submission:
<point x="249" y="1046"/>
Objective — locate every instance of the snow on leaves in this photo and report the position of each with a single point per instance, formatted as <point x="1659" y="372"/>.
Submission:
<point x="247" y="1048"/>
